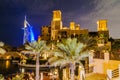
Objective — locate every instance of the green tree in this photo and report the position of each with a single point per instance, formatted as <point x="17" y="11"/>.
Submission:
<point x="1" y="77"/>
<point x="6" y="47"/>
<point x="70" y="51"/>
<point x="18" y="77"/>
<point x="38" y="48"/>
<point x="2" y="50"/>
<point x="91" y="42"/>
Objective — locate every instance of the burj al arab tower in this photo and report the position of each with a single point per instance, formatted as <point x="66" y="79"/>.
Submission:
<point x="28" y="32"/>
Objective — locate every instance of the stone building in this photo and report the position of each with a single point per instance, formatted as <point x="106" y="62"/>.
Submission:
<point x="56" y="30"/>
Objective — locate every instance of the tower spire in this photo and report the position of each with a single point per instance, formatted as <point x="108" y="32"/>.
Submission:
<point x="28" y="32"/>
<point x="25" y="24"/>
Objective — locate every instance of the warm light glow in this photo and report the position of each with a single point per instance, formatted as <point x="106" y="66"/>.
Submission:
<point x="65" y="28"/>
<point x="39" y="38"/>
<point x="102" y="25"/>
<point x="22" y="70"/>
<point x="80" y="67"/>
<point x="72" y="25"/>
<point x="45" y="56"/>
<point x="55" y="72"/>
<point x="57" y="20"/>
<point x="57" y="15"/>
<point x="7" y="57"/>
<point x="25" y="24"/>
<point x="77" y="27"/>
<point x="7" y="63"/>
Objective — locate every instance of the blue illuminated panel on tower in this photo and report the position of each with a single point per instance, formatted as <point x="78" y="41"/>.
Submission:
<point x="31" y="34"/>
<point x="28" y="32"/>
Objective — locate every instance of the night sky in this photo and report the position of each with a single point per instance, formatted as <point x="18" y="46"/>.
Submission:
<point x="39" y="13"/>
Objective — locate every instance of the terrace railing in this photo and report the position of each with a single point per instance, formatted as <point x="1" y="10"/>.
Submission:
<point x="113" y="73"/>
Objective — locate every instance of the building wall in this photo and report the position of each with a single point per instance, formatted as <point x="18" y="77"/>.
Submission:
<point x="102" y="25"/>
<point x="111" y="64"/>
<point x="98" y="66"/>
<point x="56" y="30"/>
<point x="46" y="33"/>
<point x="101" y="66"/>
<point x="54" y="34"/>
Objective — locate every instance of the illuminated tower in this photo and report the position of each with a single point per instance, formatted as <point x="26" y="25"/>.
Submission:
<point x="72" y="25"/>
<point x="56" y="24"/>
<point x="102" y="25"/>
<point x="103" y="32"/>
<point x="28" y="32"/>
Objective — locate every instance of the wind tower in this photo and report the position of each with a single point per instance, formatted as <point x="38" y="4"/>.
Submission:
<point x="102" y="25"/>
<point x="56" y="24"/>
<point x="28" y="32"/>
<point x="103" y="32"/>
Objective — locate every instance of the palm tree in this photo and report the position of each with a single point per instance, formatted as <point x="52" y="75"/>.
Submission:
<point x="37" y="47"/>
<point x="2" y="50"/>
<point x="1" y="44"/>
<point x="18" y="77"/>
<point x="1" y="77"/>
<point x="70" y="51"/>
<point x="91" y="42"/>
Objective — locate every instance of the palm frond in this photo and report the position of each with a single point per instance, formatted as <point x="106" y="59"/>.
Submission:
<point x="1" y="44"/>
<point x="69" y="51"/>
<point x="79" y="48"/>
<point x="59" y="54"/>
<point x="28" y="47"/>
<point x="36" y="47"/>
<point x="57" y="61"/>
<point x="84" y="55"/>
<point x="63" y="48"/>
<point x="2" y="51"/>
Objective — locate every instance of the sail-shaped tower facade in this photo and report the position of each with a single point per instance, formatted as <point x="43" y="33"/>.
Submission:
<point x="28" y="32"/>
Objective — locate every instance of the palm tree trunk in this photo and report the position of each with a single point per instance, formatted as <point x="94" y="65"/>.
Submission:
<point x="37" y="66"/>
<point x="72" y="67"/>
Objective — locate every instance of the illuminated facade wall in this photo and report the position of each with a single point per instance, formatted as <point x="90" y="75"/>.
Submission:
<point x="56" y="23"/>
<point x="103" y="32"/>
<point x="46" y="32"/>
<point x="72" y="25"/>
<point x="77" y="27"/>
<point x="57" y="31"/>
<point x="102" y="25"/>
<point x="57" y="15"/>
